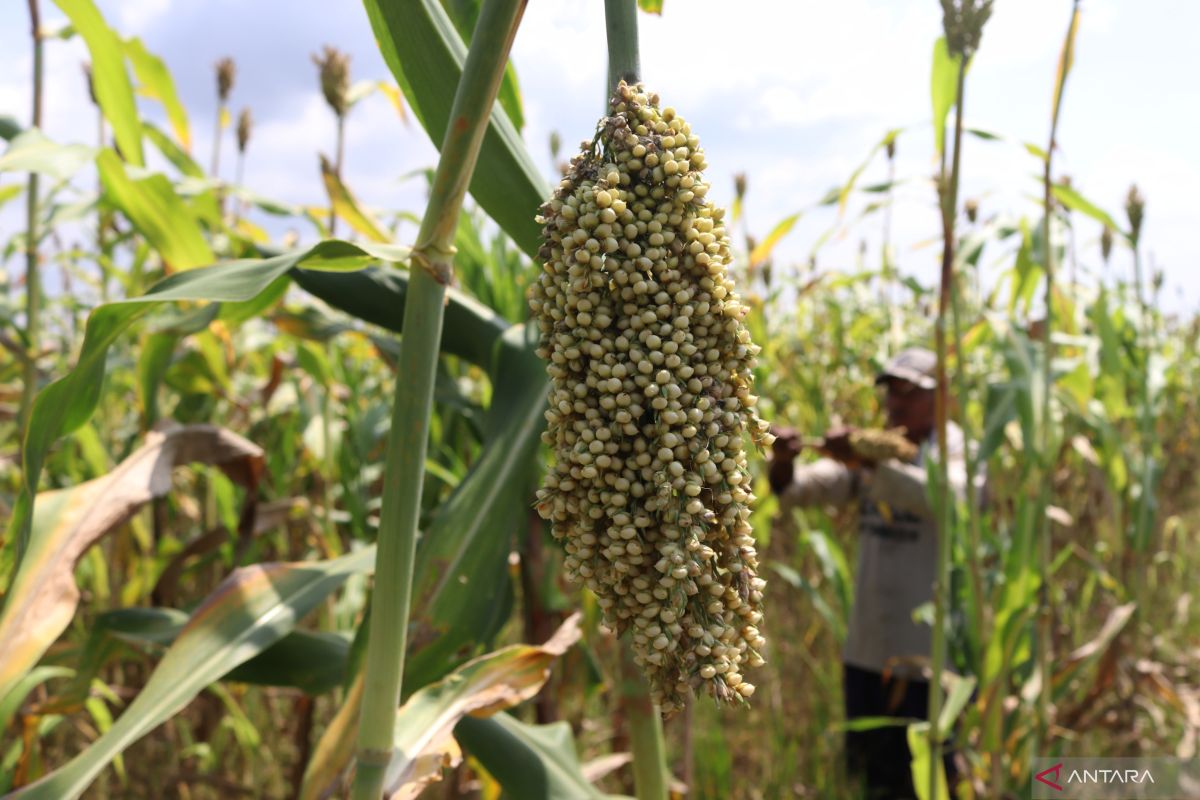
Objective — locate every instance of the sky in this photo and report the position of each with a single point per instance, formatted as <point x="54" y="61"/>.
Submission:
<point x="793" y="94"/>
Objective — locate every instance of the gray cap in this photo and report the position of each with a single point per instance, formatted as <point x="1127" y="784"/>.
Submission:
<point x="916" y="365"/>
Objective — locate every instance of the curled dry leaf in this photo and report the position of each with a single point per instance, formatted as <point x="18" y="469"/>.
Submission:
<point x="43" y="596"/>
<point x="424" y="732"/>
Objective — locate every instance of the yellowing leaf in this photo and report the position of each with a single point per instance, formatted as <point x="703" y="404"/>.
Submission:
<point x="762" y="251"/>
<point x="156" y="83"/>
<point x="481" y="688"/>
<point x="346" y="207"/>
<point x="42" y="598"/>
<point x="226" y="119"/>
<point x="154" y="208"/>
<point x="943" y="89"/>
<point x="1066" y="58"/>
<point x="393" y="93"/>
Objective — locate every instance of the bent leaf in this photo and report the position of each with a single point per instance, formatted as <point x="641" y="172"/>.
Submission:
<point x="481" y="688"/>
<point x="377" y="296"/>
<point x="33" y="151"/>
<point x="1077" y="202"/>
<point x="335" y="749"/>
<point x="466" y="546"/>
<point x="426" y="55"/>
<point x="250" y="611"/>
<point x="110" y="79"/>
<point x="154" y="208"/>
<point x="156" y="83"/>
<point x="461" y="592"/>
<point x="43" y="596"/>
<point x="68" y="403"/>
<point x="533" y="762"/>
<point x="762" y="251"/>
<point x="311" y="661"/>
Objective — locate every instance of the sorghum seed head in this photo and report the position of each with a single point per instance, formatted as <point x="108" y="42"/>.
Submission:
<point x="334" y="67"/>
<point x="226" y="72"/>
<point x="651" y="369"/>
<point x="244" y="126"/>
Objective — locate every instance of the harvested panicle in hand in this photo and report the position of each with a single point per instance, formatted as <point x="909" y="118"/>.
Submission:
<point x="881" y="445"/>
<point x="651" y="368"/>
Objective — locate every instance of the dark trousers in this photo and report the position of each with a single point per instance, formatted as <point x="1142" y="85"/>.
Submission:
<point x="878" y="760"/>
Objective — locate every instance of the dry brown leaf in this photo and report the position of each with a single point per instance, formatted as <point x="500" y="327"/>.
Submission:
<point x="43" y="596"/>
<point x="481" y="688"/>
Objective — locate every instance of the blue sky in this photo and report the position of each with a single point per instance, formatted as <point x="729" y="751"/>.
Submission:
<point x="792" y="93"/>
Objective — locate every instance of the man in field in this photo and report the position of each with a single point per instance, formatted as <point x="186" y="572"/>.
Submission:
<point x="897" y="561"/>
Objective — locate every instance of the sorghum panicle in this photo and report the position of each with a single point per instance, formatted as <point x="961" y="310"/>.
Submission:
<point x="651" y="367"/>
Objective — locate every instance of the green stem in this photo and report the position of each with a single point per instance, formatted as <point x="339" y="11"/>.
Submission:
<point x="33" y="282"/>
<point x="337" y="168"/>
<point x="974" y="565"/>
<point x="216" y="156"/>
<point x="645" y="730"/>
<point x="945" y="504"/>
<point x="431" y="271"/>
<point x="620" y="21"/>
<point x="1047" y="446"/>
<point x="641" y="712"/>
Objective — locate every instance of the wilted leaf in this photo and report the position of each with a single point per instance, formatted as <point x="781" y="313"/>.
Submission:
<point x="482" y="687"/>
<point x="335" y="749"/>
<point x="1066" y="58"/>
<point x="393" y="93"/>
<point x="1118" y="618"/>
<point x="69" y="402"/>
<point x="43" y="596"/>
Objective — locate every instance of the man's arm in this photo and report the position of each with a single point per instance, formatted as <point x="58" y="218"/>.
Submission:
<point x="904" y="486"/>
<point x="825" y="482"/>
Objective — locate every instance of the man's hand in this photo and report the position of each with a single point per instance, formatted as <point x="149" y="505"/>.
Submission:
<point x="787" y="446"/>
<point x="838" y="446"/>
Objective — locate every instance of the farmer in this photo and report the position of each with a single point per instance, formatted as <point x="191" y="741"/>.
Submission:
<point x="897" y="559"/>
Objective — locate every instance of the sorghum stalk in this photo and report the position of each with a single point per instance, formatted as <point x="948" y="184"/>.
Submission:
<point x="643" y="716"/>
<point x="624" y="64"/>
<point x="963" y="22"/>
<point x="334" y="71"/>
<point x="1048" y="449"/>
<point x="431" y="271"/>
<point x="644" y="721"/>
<point x="33" y="283"/>
<point x="226" y="73"/>
<point x="945" y="504"/>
